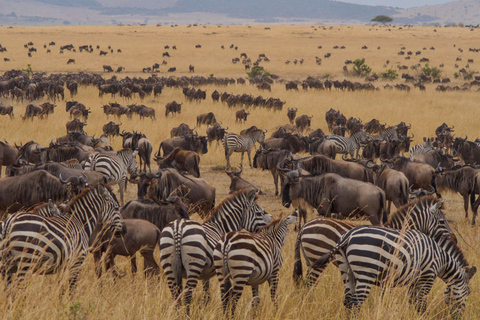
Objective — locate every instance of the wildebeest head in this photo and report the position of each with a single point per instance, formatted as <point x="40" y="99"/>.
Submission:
<point x="293" y="179"/>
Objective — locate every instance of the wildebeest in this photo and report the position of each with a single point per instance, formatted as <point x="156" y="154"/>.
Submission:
<point x="70" y="61"/>
<point x="8" y="155"/>
<point x="196" y="193"/>
<point x="295" y="143"/>
<point x="419" y="175"/>
<point x="180" y="131"/>
<point x="459" y="179"/>
<point x="216" y="133"/>
<point x="75" y="125"/>
<point x="172" y="69"/>
<point x="394" y="183"/>
<point x="291" y="114"/>
<point x="436" y="159"/>
<point x="303" y="122"/>
<point x="29" y="152"/>
<point x="241" y="115"/>
<point x="182" y="160"/>
<point x="206" y="118"/>
<point x="106" y="68"/>
<point x="324" y="147"/>
<point x="467" y="150"/>
<point x="173" y="107"/>
<point x="237" y="183"/>
<point x="188" y="142"/>
<point x="272" y="160"/>
<point x="331" y="193"/>
<point x="111" y="129"/>
<point x="321" y="164"/>
<point x="6" y="110"/>
<point x="28" y="190"/>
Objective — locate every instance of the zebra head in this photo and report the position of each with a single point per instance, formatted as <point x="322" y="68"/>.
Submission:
<point x="255" y="217"/>
<point x="438" y="221"/>
<point x="458" y="290"/>
<point x="132" y="164"/>
<point x="109" y="214"/>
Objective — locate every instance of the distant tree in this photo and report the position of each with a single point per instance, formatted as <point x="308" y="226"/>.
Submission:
<point x="383" y="19"/>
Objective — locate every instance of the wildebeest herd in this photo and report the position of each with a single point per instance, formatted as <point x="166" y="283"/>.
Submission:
<point x="71" y="179"/>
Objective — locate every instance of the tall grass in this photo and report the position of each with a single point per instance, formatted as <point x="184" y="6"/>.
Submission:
<point x="133" y="297"/>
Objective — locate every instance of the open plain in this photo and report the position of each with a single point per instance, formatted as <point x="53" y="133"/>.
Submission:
<point x="142" y="46"/>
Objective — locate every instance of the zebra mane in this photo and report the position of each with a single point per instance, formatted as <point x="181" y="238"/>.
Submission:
<point x="124" y="150"/>
<point x="39" y="207"/>
<point x="225" y="200"/>
<point x="424" y="201"/>
<point x="453" y="250"/>
<point x="87" y="189"/>
<point x="271" y="225"/>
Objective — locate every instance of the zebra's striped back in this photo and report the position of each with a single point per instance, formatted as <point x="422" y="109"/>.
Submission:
<point x="390" y="133"/>
<point x="114" y="168"/>
<point x="47" y="244"/>
<point x="373" y="255"/>
<point x="250" y="258"/>
<point x="319" y="236"/>
<point x="189" y="245"/>
<point x="349" y="145"/>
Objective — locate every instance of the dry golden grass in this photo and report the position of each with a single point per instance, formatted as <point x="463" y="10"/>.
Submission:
<point x="134" y="298"/>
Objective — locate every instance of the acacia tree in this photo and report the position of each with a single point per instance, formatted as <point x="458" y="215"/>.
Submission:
<point x="382" y="18"/>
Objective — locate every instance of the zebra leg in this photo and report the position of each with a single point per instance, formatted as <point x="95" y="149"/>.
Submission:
<point x="122" y="185"/>
<point x="74" y="271"/>
<point x="273" y="282"/>
<point x="237" y="290"/>
<point x="419" y="291"/>
<point x="249" y="157"/>
<point x="255" y="299"/>
<point x="361" y="293"/>
<point x="206" y="291"/>
<point x="97" y="257"/>
<point x="241" y="159"/>
<point x="312" y="276"/>
<point x="228" y="153"/>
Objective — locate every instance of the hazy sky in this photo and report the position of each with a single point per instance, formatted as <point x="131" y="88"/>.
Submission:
<point x="398" y="3"/>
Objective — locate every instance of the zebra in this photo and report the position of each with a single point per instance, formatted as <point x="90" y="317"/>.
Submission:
<point x="421" y="148"/>
<point x="250" y="258"/>
<point x="350" y="145"/>
<point x="31" y="242"/>
<point x="389" y="134"/>
<point x="373" y="255"/>
<point x="242" y="143"/>
<point x="320" y="235"/>
<point x="187" y="246"/>
<point x="114" y="168"/>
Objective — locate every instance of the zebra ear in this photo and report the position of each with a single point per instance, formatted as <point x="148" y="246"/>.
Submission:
<point x="252" y="195"/>
<point x="471" y="272"/>
<point x="102" y="191"/>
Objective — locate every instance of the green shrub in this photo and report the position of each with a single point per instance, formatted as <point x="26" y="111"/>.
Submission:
<point x="360" y="68"/>
<point x="433" y="72"/>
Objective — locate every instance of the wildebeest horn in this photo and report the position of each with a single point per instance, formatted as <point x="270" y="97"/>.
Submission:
<point x="413" y="192"/>
<point x="431" y="192"/>
<point x="296" y="109"/>
<point x="83" y="179"/>
<point x="265" y="131"/>
<point x="311" y="116"/>
<point x="15" y="144"/>
<point x="68" y="180"/>
<point x="455" y="153"/>
<point x="412" y="136"/>
<point x="409" y="126"/>
<point x="164" y="195"/>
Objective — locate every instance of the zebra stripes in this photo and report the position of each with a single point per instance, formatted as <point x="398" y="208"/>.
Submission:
<point x="114" y="168"/>
<point x="372" y="255"/>
<point x="52" y="244"/>
<point x="319" y="236"/>
<point x="390" y="133"/>
<point x="242" y="143"/>
<point x="246" y="258"/>
<point x="187" y="246"/>
<point x="349" y="145"/>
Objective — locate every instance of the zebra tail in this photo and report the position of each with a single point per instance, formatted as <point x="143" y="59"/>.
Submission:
<point x="177" y="264"/>
<point x="297" y="265"/>
<point x="226" y="271"/>
<point x="434" y="185"/>
<point x="472" y="195"/>
<point x="325" y="259"/>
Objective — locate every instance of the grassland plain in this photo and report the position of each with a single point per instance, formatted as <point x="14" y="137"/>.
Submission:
<point x="141" y="46"/>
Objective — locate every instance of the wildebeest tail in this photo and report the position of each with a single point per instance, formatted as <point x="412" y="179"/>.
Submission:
<point x="383" y="208"/>
<point x="197" y="166"/>
<point x="297" y="264"/>
<point x="473" y="204"/>
<point x="434" y="185"/>
<point x="404" y="191"/>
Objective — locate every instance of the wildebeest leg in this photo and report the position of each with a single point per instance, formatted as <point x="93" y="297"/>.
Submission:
<point x="150" y="266"/>
<point x="97" y="256"/>
<point x="228" y="153"/>
<point x="275" y="181"/>
<point x="133" y="263"/>
<point x="465" y="204"/>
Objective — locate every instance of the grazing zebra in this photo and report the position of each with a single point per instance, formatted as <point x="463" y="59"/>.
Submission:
<point x="350" y="145"/>
<point x="187" y="246"/>
<point x="421" y="148"/>
<point x="372" y="255"/>
<point x="242" y="143"/>
<point x="114" y="168"/>
<point x="246" y="258"/>
<point x="47" y="245"/>
<point x="319" y="236"/>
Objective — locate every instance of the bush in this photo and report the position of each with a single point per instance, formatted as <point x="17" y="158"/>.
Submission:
<point x="433" y="72"/>
<point x="468" y="75"/>
<point x="29" y="70"/>
<point x="258" y="71"/>
<point x="390" y="74"/>
<point x="360" y="68"/>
